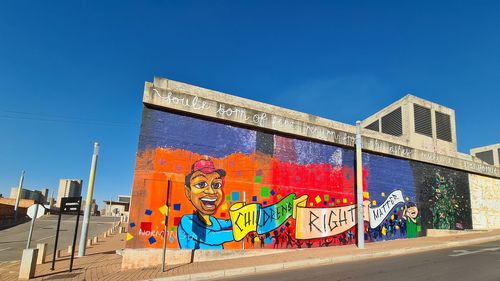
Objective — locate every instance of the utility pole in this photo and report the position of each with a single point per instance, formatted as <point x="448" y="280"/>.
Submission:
<point x="18" y="197"/>
<point x="359" y="188"/>
<point x="88" y="203"/>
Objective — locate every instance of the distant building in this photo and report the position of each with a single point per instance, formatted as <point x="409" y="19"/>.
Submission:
<point x="37" y="195"/>
<point x="124" y="198"/>
<point x="94" y="208"/>
<point x="45" y="194"/>
<point x="69" y="188"/>
<point x="118" y="208"/>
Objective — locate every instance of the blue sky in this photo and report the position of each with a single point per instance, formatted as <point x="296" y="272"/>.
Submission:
<point x="73" y="72"/>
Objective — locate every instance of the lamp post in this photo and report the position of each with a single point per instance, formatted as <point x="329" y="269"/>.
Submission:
<point x="359" y="187"/>
<point x="18" y="197"/>
<point x="88" y="202"/>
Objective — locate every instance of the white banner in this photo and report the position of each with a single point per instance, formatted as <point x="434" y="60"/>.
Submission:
<point x="378" y="214"/>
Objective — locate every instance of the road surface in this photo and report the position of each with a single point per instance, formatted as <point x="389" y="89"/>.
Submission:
<point x="13" y="240"/>
<point x="476" y="262"/>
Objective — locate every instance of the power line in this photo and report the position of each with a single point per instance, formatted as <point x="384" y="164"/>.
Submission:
<point x="20" y="115"/>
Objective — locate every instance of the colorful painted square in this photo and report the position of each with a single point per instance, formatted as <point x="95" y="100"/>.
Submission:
<point x="151" y="240"/>
<point x="148" y="212"/>
<point x="177" y="220"/>
<point x="264" y="191"/>
<point x="254" y="199"/>
<point x="132" y="225"/>
<point x="146" y="226"/>
<point x="235" y="195"/>
<point x="177" y="207"/>
<point x="228" y="197"/>
<point x="258" y="179"/>
<point x="163" y="209"/>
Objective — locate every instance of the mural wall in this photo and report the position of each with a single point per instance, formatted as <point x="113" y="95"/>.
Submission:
<point x="444" y="197"/>
<point x="234" y="187"/>
<point x="485" y="201"/>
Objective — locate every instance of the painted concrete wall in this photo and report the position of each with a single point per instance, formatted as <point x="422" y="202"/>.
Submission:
<point x="234" y="186"/>
<point x="443" y="195"/>
<point x="485" y="201"/>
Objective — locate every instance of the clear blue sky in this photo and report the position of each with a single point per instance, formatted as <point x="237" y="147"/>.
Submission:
<point x="73" y="72"/>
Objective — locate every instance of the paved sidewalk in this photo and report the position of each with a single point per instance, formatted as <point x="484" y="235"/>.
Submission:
<point x="102" y="263"/>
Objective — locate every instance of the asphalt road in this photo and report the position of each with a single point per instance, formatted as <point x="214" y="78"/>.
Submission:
<point x="476" y="262"/>
<point x="13" y="240"/>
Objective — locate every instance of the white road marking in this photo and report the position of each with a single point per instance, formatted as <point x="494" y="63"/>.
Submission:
<point x="5" y="249"/>
<point x="467" y="252"/>
<point x="45" y="238"/>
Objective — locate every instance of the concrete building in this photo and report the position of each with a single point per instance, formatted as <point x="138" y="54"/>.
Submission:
<point x="119" y="208"/>
<point x="69" y="188"/>
<point x="94" y="208"/>
<point x="240" y="170"/>
<point x="489" y="154"/>
<point x="37" y="195"/>
<point x="418" y="123"/>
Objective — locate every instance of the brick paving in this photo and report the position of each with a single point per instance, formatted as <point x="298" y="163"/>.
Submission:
<point x="102" y="262"/>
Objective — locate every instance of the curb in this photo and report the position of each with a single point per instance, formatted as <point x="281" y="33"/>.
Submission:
<point x="319" y="261"/>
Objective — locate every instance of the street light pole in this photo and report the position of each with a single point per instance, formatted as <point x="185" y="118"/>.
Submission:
<point x="18" y="197"/>
<point x="88" y="203"/>
<point x="359" y="188"/>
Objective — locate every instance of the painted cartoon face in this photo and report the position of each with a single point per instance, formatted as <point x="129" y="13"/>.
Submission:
<point x="412" y="212"/>
<point x="205" y="192"/>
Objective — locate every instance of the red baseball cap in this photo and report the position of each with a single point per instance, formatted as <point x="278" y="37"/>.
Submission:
<point x="206" y="166"/>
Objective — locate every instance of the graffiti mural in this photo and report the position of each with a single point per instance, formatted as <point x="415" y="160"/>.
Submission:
<point x="233" y="187"/>
<point x="444" y="196"/>
<point x="403" y="219"/>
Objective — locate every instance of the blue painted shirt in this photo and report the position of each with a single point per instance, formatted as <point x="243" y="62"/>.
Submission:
<point x="192" y="233"/>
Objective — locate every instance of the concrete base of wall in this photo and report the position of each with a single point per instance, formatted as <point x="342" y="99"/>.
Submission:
<point x="446" y="232"/>
<point x="140" y="258"/>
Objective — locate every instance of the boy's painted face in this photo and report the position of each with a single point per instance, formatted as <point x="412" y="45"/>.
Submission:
<point x="205" y="192"/>
<point x="412" y="212"/>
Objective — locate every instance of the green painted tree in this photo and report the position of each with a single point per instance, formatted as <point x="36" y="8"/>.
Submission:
<point x="445" y="205"/>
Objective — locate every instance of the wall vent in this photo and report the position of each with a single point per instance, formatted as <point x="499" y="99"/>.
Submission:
<point x="443" y="126"/>
<point x="392" y="123"/>
<point x="423" y="122"/>
<point x="486" y="156"/>
<point x="373" y="126"/>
